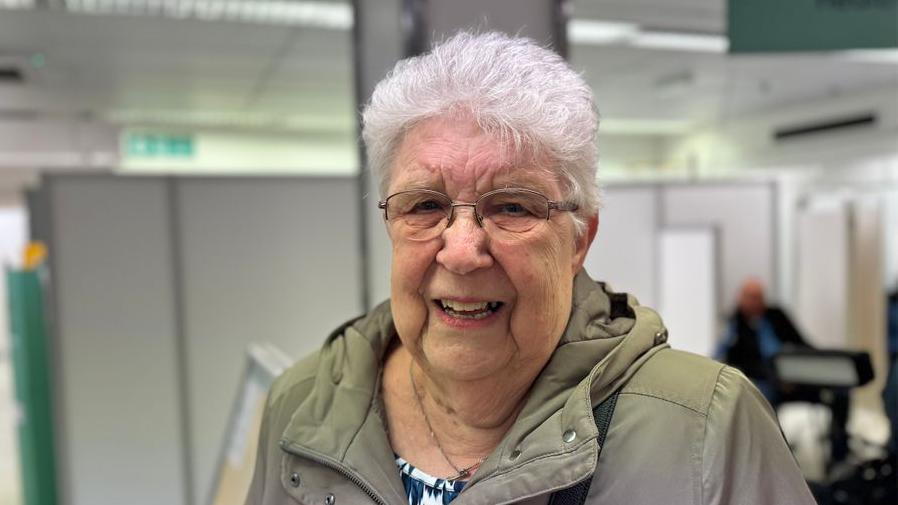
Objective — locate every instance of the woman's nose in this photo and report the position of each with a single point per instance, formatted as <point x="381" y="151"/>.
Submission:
<point x="465" y="244"/>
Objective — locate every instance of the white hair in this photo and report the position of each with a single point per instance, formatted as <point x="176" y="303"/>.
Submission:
<point x="525" y="94"/>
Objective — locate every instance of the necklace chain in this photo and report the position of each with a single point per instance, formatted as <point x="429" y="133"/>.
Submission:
<point x="461" y="473"/>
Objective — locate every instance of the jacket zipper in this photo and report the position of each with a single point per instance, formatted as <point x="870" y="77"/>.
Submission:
<point x="338" y="468"/>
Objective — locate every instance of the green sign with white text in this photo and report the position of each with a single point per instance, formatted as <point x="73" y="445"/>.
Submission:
<point x="158" y="145"/>
<point x="812" y="25"/>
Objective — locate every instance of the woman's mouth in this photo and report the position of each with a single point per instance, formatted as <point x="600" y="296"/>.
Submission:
<point x="468" y="310"/>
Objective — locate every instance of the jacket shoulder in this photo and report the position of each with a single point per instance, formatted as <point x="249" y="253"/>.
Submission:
<point x="294" y="379"/>
<point x="678" y="377"/>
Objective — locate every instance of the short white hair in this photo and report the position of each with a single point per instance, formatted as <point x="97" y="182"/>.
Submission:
<point x="509" y="86"/>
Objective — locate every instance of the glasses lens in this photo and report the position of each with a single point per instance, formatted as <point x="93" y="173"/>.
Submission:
<point x="418" y="211"/>
<point x="513" y="209"/>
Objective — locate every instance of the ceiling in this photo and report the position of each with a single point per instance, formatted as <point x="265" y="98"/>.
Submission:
<point x="636" y="83"/>
<point x="127" y="68"/>
<point x="151" y="69"/>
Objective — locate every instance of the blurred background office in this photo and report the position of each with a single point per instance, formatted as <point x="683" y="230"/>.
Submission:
<point x="189" y="178"/>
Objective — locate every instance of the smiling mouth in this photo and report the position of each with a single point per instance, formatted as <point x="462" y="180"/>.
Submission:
<point x="463" y="310"/>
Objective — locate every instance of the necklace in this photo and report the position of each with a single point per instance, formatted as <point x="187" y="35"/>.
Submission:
<point x="461" y="473"/>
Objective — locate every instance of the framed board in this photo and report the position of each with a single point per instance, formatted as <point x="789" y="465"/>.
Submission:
<point x="238" y="451"/>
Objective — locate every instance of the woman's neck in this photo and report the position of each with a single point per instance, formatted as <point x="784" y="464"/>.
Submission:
<point x="468" y="419"/>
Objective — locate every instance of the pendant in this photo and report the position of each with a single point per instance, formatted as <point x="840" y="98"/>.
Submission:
<point x="465" y="472"/>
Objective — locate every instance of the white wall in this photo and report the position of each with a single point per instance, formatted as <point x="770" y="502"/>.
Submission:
<point x="746" y="141"/>
<point x="13" y="232"/>
<point x="621" y="154"/>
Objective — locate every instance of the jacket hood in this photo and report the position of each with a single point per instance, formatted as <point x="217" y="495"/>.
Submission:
<point x="608" y="336"/>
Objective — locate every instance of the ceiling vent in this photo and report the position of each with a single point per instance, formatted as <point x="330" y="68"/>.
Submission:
<point x="828" y="126"/>
<point x="10" y="75"/>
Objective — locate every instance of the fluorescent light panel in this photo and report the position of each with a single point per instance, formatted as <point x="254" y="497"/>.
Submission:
<point x="337" y="16"/>
<point x="881" y="56"/>
<point x="587" y="31"/>
<point x="613" y="33"/>
<point x="17" y="4"/>
<point x="624" y="126"/>
<point x="682" y="42"/>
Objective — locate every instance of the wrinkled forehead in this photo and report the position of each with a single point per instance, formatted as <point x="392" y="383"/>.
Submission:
<point x="457" y="156"/>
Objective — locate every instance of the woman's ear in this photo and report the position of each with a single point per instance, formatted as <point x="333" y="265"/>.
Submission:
<point x="583" y="243"/>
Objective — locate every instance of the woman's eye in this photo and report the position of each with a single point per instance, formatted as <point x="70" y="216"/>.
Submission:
<point x="427" y="206"/>
<point x="513" y="209"/>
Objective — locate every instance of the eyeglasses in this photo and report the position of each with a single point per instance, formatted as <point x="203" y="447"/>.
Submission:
<point x="423" y="214"/>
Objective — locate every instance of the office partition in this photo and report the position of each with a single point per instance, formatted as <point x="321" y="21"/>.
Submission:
<point x="159" y="285"/>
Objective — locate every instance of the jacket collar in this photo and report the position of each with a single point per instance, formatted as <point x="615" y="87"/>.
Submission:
<point x="607" y="337"/>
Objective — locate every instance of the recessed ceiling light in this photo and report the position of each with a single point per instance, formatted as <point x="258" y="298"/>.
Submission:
<point x="17" y="4"/>
<point x="331" y="15"/>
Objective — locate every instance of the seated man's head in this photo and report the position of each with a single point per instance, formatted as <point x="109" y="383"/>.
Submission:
<point x="751" y="299"/>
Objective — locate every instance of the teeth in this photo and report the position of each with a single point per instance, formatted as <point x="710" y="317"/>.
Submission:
<point x="463" y="307"/>
<point x="463" y="310"/>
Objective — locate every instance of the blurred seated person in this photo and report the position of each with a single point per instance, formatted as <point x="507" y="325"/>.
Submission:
<point x="755" y="333"/>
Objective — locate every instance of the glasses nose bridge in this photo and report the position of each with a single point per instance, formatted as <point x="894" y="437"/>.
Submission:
<point x="477" y="217"/>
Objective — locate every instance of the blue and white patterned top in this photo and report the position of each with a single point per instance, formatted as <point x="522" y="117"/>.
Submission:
<point x="424" y="489"/>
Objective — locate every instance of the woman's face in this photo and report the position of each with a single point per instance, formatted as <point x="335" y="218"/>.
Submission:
<point x="439" y="286"/>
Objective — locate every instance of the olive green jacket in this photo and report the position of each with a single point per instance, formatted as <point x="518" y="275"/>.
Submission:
<point x="686" y="430"/>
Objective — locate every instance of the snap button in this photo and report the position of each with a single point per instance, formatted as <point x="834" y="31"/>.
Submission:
<point x="515" y="454"/>
<point x="569" y="436"/>
<point x="329" y="499"/>
<point x="294" y="479"/>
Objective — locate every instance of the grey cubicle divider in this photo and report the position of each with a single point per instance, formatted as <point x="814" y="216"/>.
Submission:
<point x="116" y="378"/>
<point x="270" y="259"/>
<point x="159" y="285"/>
<point x="744" y="213"/>
<point x="625" y="249"/>
<point x="688" y="271"/>
<point x="822" y="273"/>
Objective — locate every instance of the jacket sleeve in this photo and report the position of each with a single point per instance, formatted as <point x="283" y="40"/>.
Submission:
<point x="745" y="458"/>
<point x="256" y="492"/>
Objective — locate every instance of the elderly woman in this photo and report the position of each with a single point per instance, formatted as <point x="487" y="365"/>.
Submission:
<point x="499" y="372"/>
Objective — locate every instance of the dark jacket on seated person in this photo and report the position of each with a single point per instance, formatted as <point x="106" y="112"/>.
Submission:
<point x="747" y="347"/>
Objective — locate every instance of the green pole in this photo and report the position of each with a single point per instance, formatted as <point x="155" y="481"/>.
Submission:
<point x="30" y="354"/>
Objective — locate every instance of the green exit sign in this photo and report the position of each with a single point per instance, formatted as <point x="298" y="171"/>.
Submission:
<point x="159" y="145"/>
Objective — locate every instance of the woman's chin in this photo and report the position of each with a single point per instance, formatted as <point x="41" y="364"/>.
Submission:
<point x="465" y="365"/>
